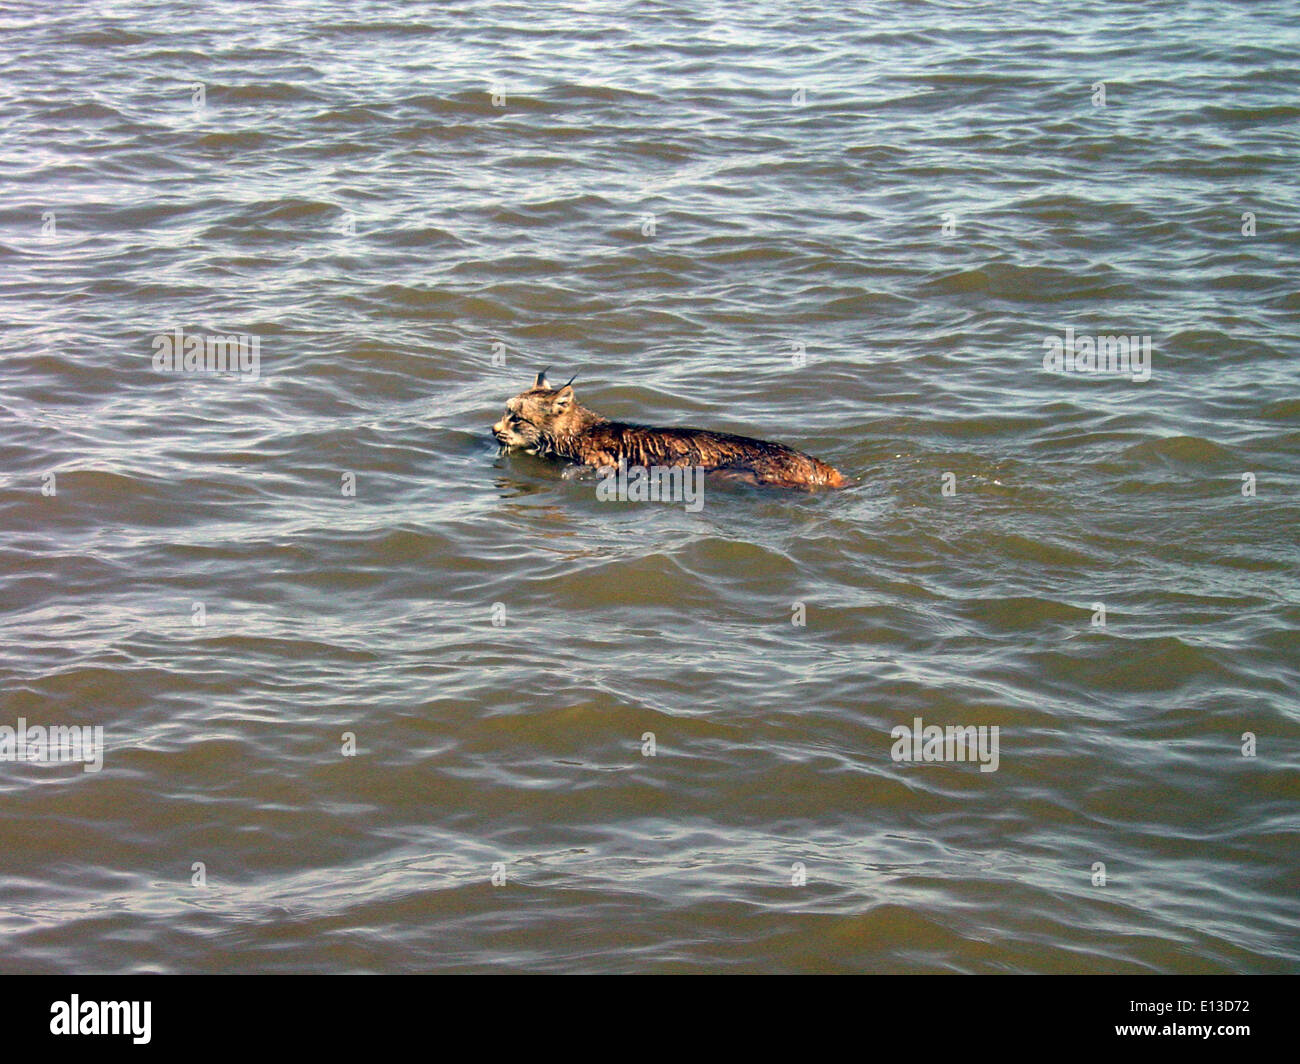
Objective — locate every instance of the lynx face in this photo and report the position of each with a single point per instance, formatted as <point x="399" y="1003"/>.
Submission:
<point x="535" y="416"/>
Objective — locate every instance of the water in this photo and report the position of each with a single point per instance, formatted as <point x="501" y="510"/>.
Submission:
<point x="653" y="207"/>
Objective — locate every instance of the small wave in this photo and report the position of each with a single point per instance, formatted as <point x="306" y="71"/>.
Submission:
<point x="1180" y="450"/>
<point x="234" y="140"/>
<point x="82" y="112"/>
<point x="107" y="37"/>
<point x="1282" y="410"/>
<point x="1250" y="115"/>
<point x="1029" y="284"/>
<point x="280" y="92"/>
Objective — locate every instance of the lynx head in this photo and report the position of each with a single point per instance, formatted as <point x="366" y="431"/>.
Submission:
<point x="535" y="418"/>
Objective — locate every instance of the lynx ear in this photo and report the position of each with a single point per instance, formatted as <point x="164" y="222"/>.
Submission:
<point x="541" y="380"/>
<point x="563" y="399"/>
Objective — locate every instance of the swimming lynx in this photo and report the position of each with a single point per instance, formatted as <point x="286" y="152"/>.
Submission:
<point x="549" y="422"/>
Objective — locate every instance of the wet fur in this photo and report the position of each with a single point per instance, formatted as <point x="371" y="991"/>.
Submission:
<point x="551" y="423"/>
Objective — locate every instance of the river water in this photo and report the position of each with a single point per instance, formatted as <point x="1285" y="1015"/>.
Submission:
<point x="374" y="698"/>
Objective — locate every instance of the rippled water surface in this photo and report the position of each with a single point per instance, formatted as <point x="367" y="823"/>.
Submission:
<point x="848" y="227"/>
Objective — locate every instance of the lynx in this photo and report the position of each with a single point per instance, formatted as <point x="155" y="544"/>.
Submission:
<point x="551" y="423"/>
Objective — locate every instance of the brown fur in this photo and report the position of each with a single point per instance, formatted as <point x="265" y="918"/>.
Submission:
<point x="549" y="422"/>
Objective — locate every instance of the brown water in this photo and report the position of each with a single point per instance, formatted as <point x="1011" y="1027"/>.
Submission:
<point x="948" y="193"/>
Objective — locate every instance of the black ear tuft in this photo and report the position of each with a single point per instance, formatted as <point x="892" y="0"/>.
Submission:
<point x="541" y="380"/>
